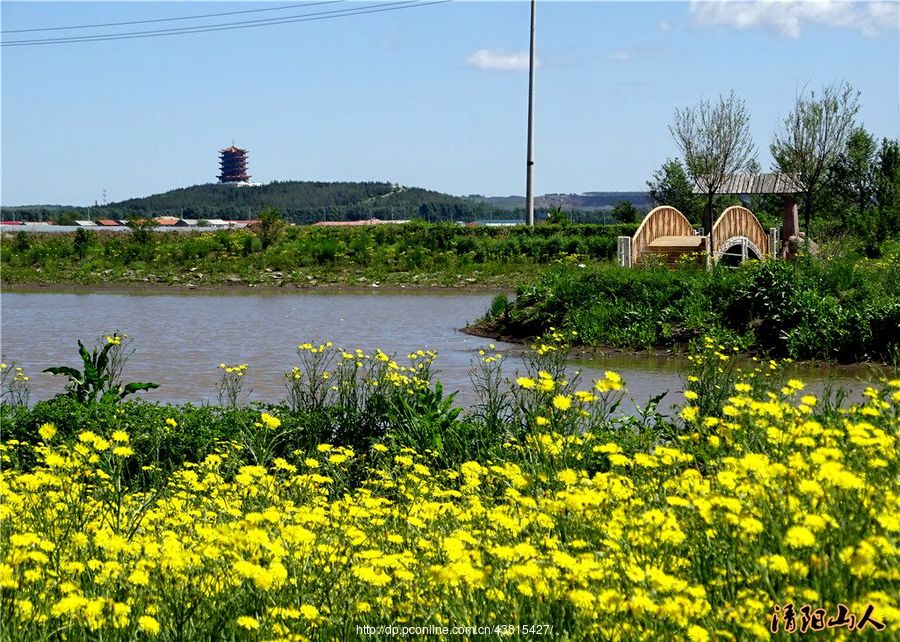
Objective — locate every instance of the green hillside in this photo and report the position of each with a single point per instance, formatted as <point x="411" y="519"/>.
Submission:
<point x="589" y="201"/>
<point x="299" y="201"/>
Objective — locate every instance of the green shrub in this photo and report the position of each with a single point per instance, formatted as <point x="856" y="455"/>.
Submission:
<point x="843" y="309"/>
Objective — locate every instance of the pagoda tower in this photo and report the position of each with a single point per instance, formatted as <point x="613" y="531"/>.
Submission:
<point x="233" y="165"/>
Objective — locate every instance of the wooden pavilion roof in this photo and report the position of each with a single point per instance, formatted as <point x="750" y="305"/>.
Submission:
<point x="755" y="184"/>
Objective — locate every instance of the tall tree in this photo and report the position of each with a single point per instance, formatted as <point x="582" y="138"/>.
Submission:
<point x="625" y="212"/>
<point x="813" y="136"/>
<point x="715" y="140"/>
<point x="269" y="226"/>
<point x="851" y="180"/>
<point x="887" y="187"/>
<point x="66" y="218"/>
<point x="670" y="185"/>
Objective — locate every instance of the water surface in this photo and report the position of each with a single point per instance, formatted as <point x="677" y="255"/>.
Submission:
<point x="180" y="339"/>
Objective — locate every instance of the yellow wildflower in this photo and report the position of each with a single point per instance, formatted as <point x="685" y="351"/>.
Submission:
<point x="269" y="421"/>
<point x="526" y="382"/>
<point x="799" y="537"/>
<point x="47" y="431"/>
<point x="247" y="622"/>
<point x="689" y="413"/>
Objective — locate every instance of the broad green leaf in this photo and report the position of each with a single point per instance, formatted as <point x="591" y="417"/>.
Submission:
<point x="137" y="386"/>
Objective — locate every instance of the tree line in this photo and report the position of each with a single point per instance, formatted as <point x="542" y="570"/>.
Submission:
<point x="298" y="201"/>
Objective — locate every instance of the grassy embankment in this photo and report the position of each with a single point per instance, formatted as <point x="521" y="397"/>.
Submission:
<point x="416" y="254"/>
<point x="373" y="503"/>
<point x="839" y="308"/>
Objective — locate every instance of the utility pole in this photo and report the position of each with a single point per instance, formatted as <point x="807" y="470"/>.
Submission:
<point x="529" y="189"/>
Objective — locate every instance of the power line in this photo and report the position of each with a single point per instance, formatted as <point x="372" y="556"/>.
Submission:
<point x="244" y="24"/>
<point x="140" y="22"/>
<point x="310" y="17"/>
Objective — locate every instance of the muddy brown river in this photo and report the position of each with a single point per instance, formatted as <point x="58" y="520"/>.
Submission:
<point x="180" y="339"/>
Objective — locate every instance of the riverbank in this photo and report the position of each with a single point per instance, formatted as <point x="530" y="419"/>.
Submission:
<point x="839" y="375"/>
<point x="155" y="287"/>
<point x="352" y="281"/>
<point x="410" y="255"/>
<point x="837" y="309"/>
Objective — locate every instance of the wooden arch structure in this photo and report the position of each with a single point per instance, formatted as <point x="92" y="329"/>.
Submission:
<point x="667" y="235"/>
<point x="738" y="226"/>
<point x="664" y="232"/>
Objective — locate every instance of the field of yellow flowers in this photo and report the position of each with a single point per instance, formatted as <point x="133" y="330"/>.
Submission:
<point x="761" y="511"/>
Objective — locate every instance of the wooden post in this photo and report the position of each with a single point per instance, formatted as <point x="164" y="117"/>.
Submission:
<point x="790" y="223"/>
<point x="624" y="243"/>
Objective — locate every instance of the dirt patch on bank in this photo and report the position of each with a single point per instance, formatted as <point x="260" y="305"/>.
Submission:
<point x="678" y="353"/>
<point x="158" y="287"/>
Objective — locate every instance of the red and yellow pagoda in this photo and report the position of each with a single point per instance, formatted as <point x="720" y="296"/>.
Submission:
<point x="233" y="165"/>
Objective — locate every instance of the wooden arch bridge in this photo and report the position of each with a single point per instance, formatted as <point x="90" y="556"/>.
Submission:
<point x="736" y="236"/>
<point x="665" y="235"/>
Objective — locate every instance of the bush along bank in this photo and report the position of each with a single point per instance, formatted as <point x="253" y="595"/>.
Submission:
<point x="840" y="309"/>
<point x="427" y="254"/>
<point x="537" y="508"/>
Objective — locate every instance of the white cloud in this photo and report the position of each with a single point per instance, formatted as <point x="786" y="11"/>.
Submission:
<point x="787" y="18"/>
<point x="664" y="25"/>
<point x="499" y="59"/>
<point x="618" y="56"/>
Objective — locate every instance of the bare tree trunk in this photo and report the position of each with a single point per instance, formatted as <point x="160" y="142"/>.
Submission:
<point x="807" y="212"/>
<point x="862" y="203"/>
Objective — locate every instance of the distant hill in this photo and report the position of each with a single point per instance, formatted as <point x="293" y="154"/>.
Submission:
<point x="298" y="201"/>
<point x="587" y="201"/>
<point x="308" y="202"/>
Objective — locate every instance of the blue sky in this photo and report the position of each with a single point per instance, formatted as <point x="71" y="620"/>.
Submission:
<point x="432" y="96"/>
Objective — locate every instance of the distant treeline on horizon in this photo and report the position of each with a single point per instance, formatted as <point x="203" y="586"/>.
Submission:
<point x="309" y="202"/>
